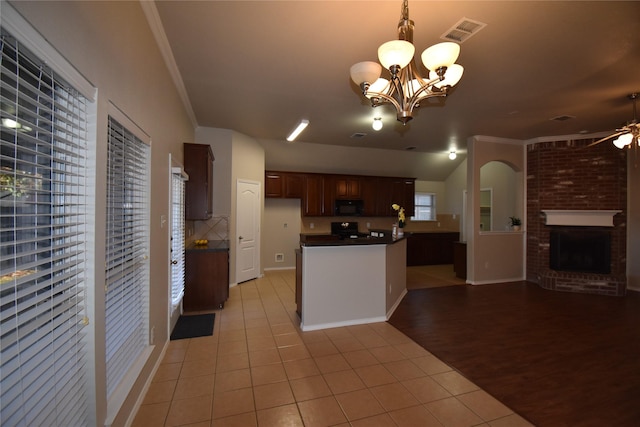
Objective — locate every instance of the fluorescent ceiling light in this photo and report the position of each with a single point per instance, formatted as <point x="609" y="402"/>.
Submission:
<point x="301" y="126"/>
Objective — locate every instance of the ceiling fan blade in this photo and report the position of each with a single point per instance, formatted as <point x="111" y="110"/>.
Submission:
<point x="606" y="138"/>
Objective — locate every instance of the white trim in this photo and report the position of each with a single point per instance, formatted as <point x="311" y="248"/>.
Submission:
<point x="145" y="387"/>
<point x="155" y="24"/>
<point x="594" y="218"/>
<point x="20" y="28"/>
<point x="126" y="121"/>
<point x="397" y="303"/>
<point x="124" y="387"/>
<point x="377" y="319"/>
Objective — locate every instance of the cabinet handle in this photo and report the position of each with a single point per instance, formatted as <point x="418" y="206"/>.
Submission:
<point x="240" y="237"/>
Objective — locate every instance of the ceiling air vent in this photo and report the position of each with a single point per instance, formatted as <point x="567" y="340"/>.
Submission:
<point x="358" y="135"/>
<point x="562" y="118"/>
<point x="462" y="30"/>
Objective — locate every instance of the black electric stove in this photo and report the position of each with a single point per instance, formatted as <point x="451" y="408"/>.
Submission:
<point x="346" y="230"/>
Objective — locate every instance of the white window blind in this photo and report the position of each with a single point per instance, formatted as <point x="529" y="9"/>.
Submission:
<point x="425" y="207"/>
<point x="43" y="202"/>
<point x="127" y="270"/>
<point x="177" y="236"/>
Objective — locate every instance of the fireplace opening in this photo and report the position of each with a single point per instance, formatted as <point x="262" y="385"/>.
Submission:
<point x="580" y="250"/>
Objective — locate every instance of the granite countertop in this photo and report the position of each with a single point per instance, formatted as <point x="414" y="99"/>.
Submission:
<point x="211" y="246"/>
<point x="387" y="240"/>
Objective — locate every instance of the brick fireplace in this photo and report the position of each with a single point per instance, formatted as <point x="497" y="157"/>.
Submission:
<point x="566" y="177"/>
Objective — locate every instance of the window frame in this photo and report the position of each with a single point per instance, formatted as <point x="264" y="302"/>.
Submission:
<point x="50" y="364"/>
<point x="432" y="206"/>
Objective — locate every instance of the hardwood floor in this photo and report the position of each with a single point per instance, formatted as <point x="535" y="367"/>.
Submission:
<point x="432" y="276"/>
<point x="557" y="359"/>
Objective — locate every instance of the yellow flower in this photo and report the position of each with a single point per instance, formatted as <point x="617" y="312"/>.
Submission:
<point x="401" y="217"/>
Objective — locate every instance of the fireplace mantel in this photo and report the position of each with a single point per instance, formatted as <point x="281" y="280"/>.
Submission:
<point x="593" y="218"/>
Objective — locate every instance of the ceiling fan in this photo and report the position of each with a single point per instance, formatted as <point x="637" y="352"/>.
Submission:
<point x="627" y="135"/>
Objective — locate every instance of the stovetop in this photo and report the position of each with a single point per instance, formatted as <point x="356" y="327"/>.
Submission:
<point x="346" y="230"/>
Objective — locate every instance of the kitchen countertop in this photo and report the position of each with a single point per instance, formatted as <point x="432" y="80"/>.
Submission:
<point x="327" y="240"/>
<point x="211" y="246"/>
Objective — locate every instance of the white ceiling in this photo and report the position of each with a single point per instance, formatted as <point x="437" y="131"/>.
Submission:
<point x="258" y="67"/>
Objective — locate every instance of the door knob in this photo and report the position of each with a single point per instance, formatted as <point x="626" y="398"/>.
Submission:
<point x="174" y="262"/>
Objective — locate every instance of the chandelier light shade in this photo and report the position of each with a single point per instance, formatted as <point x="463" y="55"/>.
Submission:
<point x="367" y="71"/>
<point x="628" y="135"/>
<point x="405" y="87"/>
<point x="440" y="55"/>
<point x="396" y="53"/>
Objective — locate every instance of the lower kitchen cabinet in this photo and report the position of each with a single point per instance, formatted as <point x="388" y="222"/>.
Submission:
<point x="460" y="259"/>
<point x="206" y="279"/>
<point x="430" y="248"/>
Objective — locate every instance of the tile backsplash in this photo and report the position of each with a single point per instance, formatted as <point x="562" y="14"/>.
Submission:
<point x="216" y="228"/>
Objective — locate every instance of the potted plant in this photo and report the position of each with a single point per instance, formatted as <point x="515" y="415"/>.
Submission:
<point x="515" y="223"/>
<point x="401" y="218"/>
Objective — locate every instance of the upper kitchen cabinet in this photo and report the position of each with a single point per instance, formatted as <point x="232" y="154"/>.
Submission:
<point x="314" y="196"/>
<point x="198" y="164"/>
<point x="391" y="191"/>
<point x="404" y="190"/>
<point x="348" y="187"/>
<point x="287" y="185"/>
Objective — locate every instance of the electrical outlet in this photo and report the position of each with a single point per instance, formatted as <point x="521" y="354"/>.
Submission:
<point x="279" y="257"/>
<point x="312" y="226"/>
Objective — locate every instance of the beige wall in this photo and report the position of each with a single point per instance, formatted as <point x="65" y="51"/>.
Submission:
<point x="496" y="256"/>
<point x="110" y="43"/>
<point x="358" y="160"/>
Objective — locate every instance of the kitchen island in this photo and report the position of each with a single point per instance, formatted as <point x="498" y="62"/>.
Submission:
<point x="349" y="281"/>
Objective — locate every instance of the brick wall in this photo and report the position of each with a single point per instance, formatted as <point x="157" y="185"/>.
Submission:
<point x="568" y="175"/>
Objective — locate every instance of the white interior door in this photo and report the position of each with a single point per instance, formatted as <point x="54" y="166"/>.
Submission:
<point x="248" y="230"/>
<point x="176" y="247"/>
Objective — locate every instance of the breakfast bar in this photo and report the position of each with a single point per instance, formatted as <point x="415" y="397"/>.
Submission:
<point x="349" y="281"/>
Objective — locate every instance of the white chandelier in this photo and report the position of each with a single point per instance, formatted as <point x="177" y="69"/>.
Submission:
<point x="407" y="88"/>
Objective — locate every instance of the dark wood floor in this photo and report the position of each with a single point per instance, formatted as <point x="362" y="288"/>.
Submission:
<point x="557" y="359"/>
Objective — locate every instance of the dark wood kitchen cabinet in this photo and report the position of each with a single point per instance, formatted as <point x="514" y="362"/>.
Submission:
<point x="287" y="185"/>
<point x="198" y="164"/>
<point x="348" y="187"/>
<point x="206" y="284"/>
<point x="313" y="200"/>
<point x="273" y="184"/>
<point x="431" y="248"/>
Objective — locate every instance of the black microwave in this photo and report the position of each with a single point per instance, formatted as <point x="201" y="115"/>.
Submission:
<point x="348" y="207"/>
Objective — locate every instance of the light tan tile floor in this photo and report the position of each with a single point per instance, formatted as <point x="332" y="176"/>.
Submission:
<point x="260" y="369"/>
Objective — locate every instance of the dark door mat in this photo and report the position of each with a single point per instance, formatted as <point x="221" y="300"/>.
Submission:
<point x="198" y="325"/>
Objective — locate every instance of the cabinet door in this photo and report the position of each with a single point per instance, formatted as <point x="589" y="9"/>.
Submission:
<point x="348" y="188"/>
<point x="384" y="198"/>
<point x="369" y="193"/>
<point x="273" y="184"/>
<point x="206" y="280"/>
<point x="293" y="184"/>
<point x="313" y="200"/>
<point x="198" y="164"/>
